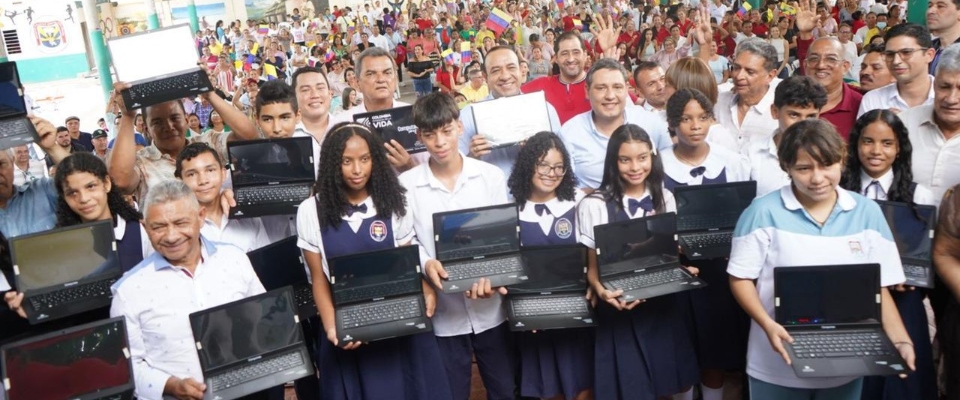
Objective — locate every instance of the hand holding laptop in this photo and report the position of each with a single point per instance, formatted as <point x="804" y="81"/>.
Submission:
<point x="777" y="334"/>
<point x="14" y="299"/>
<point x="481" y="289"/>
<point x="479" y="146"/>
<point x="332" y="337"/>
<point x="613" y="297"/>
<point x="186" y="388"/>
<point x="48" y="138"/>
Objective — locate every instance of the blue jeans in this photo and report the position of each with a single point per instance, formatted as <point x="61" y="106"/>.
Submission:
<point x="423" y="86"/>
<point x="760" y="390"/>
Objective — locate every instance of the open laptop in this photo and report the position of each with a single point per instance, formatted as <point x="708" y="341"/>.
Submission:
<point x="707" y="214"/>
<point x="639" y="256"/>
<point x="15" y="128"/>
<point x="394" y="124"/>
<point x="86" y="362"/>
<point x="270" y="176"/>
<point x="479" y="243"/>
<point x="250" y="345"/>
<point x="156" y="78"/>
<point x="913" y="227"/>
<point x="378" y="295"/>
<point x="555" y="295"/>
<point x="281" y="264"/>
<point x="833" y="314"/>
<point x="65" y="271"/>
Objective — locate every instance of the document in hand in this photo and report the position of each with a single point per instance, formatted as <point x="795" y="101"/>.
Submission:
<point x="511" y="120"/>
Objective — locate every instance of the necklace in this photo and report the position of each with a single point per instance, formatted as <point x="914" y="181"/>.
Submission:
<point x="824" y="221"/>
<point x="687" y="160"/>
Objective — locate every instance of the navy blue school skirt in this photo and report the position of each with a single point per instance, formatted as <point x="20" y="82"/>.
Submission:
<point x="645" y="353"/>
<point x="721" y="326"/>
<point x="556" y="362"/>
<point x="922" y="383"/>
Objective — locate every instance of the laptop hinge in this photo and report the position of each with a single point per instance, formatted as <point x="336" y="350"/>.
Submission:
<point x="675" y="237"/>
<point x="776" y="302"/>
<point x="418" y="268"/>
<point x="114" y="245"/>
<point x="199" y="346"/>
<point x="878" y="298"/>
<point x="296" y="319"/>
<point x="16" y="269"/>
<point x="6" y="384"/>
<point x="126" y="353"/>
<point x="598" y="251"/>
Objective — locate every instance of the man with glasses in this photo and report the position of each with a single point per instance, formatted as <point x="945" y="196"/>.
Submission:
<point x="908" y="53"/>
<point x="477" y="89"/>
<point x="825" y="63"/>
<point x="850" y="51"/>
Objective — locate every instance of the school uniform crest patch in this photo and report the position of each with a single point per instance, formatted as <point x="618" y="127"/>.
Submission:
<point x="378" y="231"/>
<point x="563" y="228"/>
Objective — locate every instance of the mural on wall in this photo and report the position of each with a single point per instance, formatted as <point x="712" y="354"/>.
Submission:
<point x="11" y="13"/>
<point x="211" y="13"/>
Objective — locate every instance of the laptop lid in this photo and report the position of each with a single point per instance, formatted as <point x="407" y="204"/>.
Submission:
<point x="712" y="206"/>
<point x="83" y="362"/>
<point x="11" y="97"/>
<point x="827" y="296"/>
<point x="394" y="124"/>
<point x="245" y="330"/>
<point x="279" y="264"/>
<point x="355" y="278"/>
<point x="646" y="242"/>
<point x="267" y="162"/>
<point x="65" y="257"/>
<point x="912" y="227"/>
<point x="135" y="56"/>
<point x="553" y="268"/>
<point x="477" y="232"/>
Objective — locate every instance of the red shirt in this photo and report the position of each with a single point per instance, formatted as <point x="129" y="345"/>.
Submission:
<point x="760" y="29"/>
<point x="443" y="77"/>
<point x="423" y="24"/>
<point x="567" y="23"/>
<point x="663" y="33"/>
<point x="844" y="115"/>
<point x="568" y="100"/>
<point x="684" y="26"/>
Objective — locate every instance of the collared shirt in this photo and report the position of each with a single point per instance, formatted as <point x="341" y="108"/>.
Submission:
<point x="475" y="95"/>
<point x="156" y="299"/>
<point x="31" y="209"/>
<point x="480" y="184"/>
<point x="765" y="166"/>
<point x="569" y="99"/>
<point x="735" y="166"/>
<point x="247" y="233"/>
<point x="155" y="167"/>
<point x="775" y="231"/>
<point x="844" y="115"/>
<point x="888" y="97"/>
<point x="588" y="147"/>
<point x="758" y="123"/>
<point x="934" y="156"/>
<point x="36" y="169"/>
<point x="878" y="191"/>
<point x="556" y="208"/>
<point x="592" y="211"/>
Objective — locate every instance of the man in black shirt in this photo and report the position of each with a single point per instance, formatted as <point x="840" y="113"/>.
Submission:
<point x="84" y="139"/>
<point x="64" y="140"/>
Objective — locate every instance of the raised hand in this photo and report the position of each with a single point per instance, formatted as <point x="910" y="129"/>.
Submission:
<point x="806" y="16"/>
<point x="606" y="35"/>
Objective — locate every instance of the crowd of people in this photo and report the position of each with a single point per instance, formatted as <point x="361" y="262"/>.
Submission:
<point x="828" y="107"/>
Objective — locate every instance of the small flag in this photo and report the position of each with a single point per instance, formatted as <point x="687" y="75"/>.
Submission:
<point x="466" y="55"/>
<point x="310" y="44"/>
<point x="238" y="65"/>
<point x="256" y="46"/>
<point x="745" y="7"/>
<point x="263" y="29"/>
<point x="447" y="56"/>
<point x="329" y="55"/>
<point x="560" y="4"/>
<point x="577" y="24"/>
<point x="498" y="21"/>
<point x="250" y="59"/>
<point x="270" y="71"/>
<point x="312" y="61"/>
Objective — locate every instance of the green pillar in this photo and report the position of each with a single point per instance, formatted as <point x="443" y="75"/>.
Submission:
<point x="917" y="12"/>
<point x="101" y="57"/>
<point x="3" y="52"/>
<point x="153" y="21"/>
<point x="192" y="12"/>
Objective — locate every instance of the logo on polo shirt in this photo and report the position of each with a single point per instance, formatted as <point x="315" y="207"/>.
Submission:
<point x="563" y="228"/>
<point x="855" y="247"/>
<point x="378" y="231"/>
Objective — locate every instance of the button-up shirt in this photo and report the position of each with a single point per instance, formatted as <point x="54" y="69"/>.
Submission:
<point x="758" y="123"/>
<point x="888" y="97"/>
<point x="156" y="299"/>
<point x="31" y="209"/>
<point x="247" y="234"/>
<point x="921" y="195"/>
<point x="844" y="115"/>
<point x="765" y="166"/>
<point x="36" y="169"/>
<point x="934" y="156"/>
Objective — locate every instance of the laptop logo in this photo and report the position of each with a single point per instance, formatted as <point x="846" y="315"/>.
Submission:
<point x="896" y="367"/>
<point x="695" y="254"/>
<point x="238" y="213"/>
<point x="348" y="338"/>
<point x="68" y="284"/>
<point x="806" y="368"/>
<point x="43" y="316"/>
<point x="588" y="320"/>
<point x="421" y="326"/>
<point x="519" y="324"/>
<point x="454" y="287"/>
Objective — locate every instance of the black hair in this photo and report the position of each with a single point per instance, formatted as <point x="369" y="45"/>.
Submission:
<point x="435" y="110"/>
<point x="275" y="92"/>
<point x="799" y="91"/>
<point x="815" y="136"/>
<point x="537" y="147"/>
<point x="301" y="71"/>
<point x="902" y="188"/>
<point x="644" y="66"/>
<point x="383" y="185"/>
<point x="194" y="150"/>
<point x="872" y="48"/>
<point x="678" y="102"/>
<point x="569" y="35"/>
<point x="62" y="129"/>
<point x="611" y="186"/>
<point x="918" y="32"/>
<point x="500" y="48"/>
<point x="89" y="163"/>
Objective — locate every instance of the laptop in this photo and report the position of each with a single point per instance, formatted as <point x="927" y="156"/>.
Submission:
<point x="554" y="296"/>
<point x="378" y="295"/>
<point x="86" y="362"/>
<point x="281" y="264"/>
<point x="507" y="121"/>
<point x="394" y="124"/>
<point x="15" y="128"/>
<point x="707" y="214"/>
<point x="135" y="60"/>
<point x="65" y="271"/>
<point x="833" y="314"/>
<point x="479" y="243"/>
<point x="270" y="176"/>
<point x="913" y="227"/>
<point x="639" y="256"/>
<point x="250" y="345"/>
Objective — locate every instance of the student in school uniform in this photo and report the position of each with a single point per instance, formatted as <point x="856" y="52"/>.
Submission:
<point x="780" y="229"/>
<point x="879" y="167"/>
<point x="554" y="363"/>
<point x="360" y="207"/>
<point x="470" y="324"/>
<point x="644" y="350"/>
<point x="693" y="161"/>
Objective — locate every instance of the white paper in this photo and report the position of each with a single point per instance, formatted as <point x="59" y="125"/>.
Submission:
<point x="509" y="120"/>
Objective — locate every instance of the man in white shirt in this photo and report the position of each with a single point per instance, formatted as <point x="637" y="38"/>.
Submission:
<point x="745" y="109"/>
<point x="717" y="9"/>
<point x="26" y="169"/>
<point x="908" y="51"/>
<point x="186" y="274"/>
<point x="379" y="40"/>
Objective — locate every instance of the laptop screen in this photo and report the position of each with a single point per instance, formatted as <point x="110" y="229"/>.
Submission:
<point x="701" y="207"/>
<point x="911" y="227"/>
<point x="11" y="102"/>
<point x="246" y="328"/>
<point x="836" y="294"/>
<point x="259" y="162"/>
<point x="135" y="57"/>
<point x="383" y="273"/>
<point x="478" y="232"/>
<point x="278" y="265"/>
<point x="79" y="361"/>
<point x="82" y="252"/>
<point x="646" y="242"/>
<point x="553" y="268"/>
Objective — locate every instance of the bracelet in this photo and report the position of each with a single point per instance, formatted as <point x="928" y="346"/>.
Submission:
<point x="895" y="344"/>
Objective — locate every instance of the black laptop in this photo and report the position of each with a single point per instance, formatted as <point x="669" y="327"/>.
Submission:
<point x="15" y="128"/>
<point x="378" y="295"/>
<point x="639" y="256"/>
<point x="136" y="62"/>
<point x="250" y="345"/>
<point x="281" y="264"/>
<point x="86" y="362"/>
<point x="833" y="314"/>
<point x="912" y="227"/>
<point x="707" y="214"/>
<point x="270" y="176"/>
<point x="479" y="243"/>
<point x="65" y="271"/>
<point x="394" y="124"/>
<point x="554" y="296"/>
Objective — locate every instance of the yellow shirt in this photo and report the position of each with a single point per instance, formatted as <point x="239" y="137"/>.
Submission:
<point x="475" y="95"/>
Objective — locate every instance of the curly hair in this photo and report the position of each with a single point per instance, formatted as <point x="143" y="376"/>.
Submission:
<point x="902" y="188"/>
<point x="678" y="102"/>
<point x="535" y="149"/>
<point x="383" y="185"/>
<point x="611" y="187"/>
<point x="89" y="163"/>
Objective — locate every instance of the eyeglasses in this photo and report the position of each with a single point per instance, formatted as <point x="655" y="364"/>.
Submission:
<point x="544" y="169"/>
<point x="905" y="54"/>
<point x="829" y="61"/>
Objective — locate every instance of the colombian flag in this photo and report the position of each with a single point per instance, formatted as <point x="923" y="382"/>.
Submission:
<point x="447" y="56"/>
<point x="745" y="7"/>
<point x="270" y="71"/>
<point x="466" y="56"/>
<point x="498" y="21"/>
<point x="263" y="29"/>
<point x="560" y="4"/>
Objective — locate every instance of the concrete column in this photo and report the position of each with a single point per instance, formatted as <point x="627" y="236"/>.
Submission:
<point x="192" y="12"/>
<point x="101" y="56"/>
<point x="917" y="12"/>
<point x="153" y="21"/>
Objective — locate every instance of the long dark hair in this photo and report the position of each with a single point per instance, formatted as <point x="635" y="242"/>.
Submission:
<point x="525" y="167"/>
<point x="89" y="163"/>
<point x="902" y="188"/>
<point x="383" y="185"/>
<point x="611" y="187"/>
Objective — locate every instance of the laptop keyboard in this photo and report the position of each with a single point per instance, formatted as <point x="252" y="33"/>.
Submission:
<point x="483" y="267"/>
<point x="839" y="345"/>
<point x="181" y="82"/>
<point x="548" y="306"/>
<point x="473" y="252"/>
<point x="379" y="312"/>
<point x="69" y="295"/>
<point x="256" y="370"/>
<point x="272" y="194"/>
<point x="914" y="271"/>
<point x="709" y="239"/>
<point x="648" y="279"/>
<point x="15" y="126"/>
<point x="698" y="222"/>
<point x="374" y="291"/>
<point x="303" y="295"/>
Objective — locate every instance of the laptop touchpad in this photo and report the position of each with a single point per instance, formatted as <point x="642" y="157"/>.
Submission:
<point x="851" y="367"/>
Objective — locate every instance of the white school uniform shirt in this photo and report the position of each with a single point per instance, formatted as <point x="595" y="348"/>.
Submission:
<point x="156" y="298"/>
<point x="721" y="136"/>
<point x="765" y="166"/>
<point x="480" y="184"/>
<point x="888" y="97"/>
<point x="734" y="165"/>
<point x="592" y="211"/>
<point x="935" y="157"/>
<point x="118" y="232"/>
<point x="556" y="207"/>
<point x="758" y="124"/>
<point x="921" y="195"/>
<point x="247" y="233"/>
<point x="4" y="286"/>
<point x="775" y="231"/>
